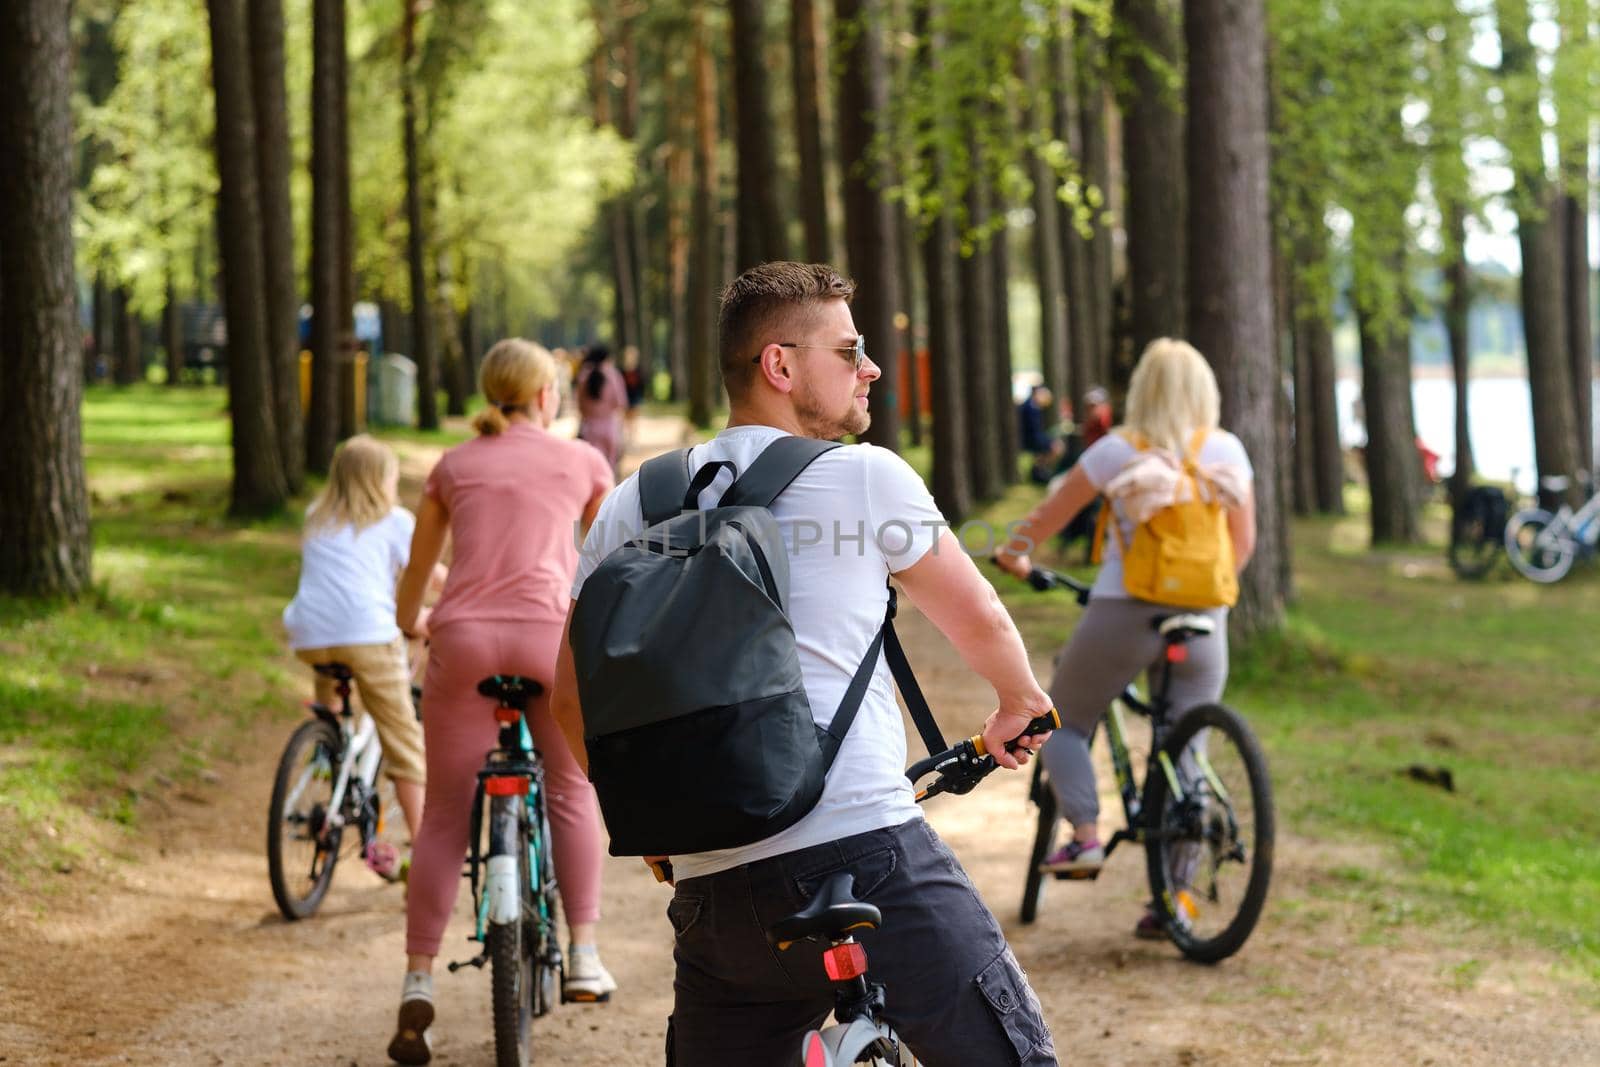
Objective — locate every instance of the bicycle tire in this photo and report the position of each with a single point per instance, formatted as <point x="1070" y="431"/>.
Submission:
<point x="1044" y="839"/>
<point x="546" y="951"/>
<point x="1543" y="565"/>
<point x="511" y="963"/>
<point x="298" y="897"/>
<point x="1168" y="829"/>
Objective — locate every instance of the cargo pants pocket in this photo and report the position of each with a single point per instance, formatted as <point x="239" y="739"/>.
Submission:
<point x="1005" y="989"/>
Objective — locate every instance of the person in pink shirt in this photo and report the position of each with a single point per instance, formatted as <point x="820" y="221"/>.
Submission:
<point x="602" y="403"/>
<point x="509" y="500"/>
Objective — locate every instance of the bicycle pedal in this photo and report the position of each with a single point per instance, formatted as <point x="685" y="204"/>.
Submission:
<point x="584" y="998"/>
<point x="476" y="961"/>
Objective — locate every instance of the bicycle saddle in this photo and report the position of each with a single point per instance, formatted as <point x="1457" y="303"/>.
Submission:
<point x="1183" y="627"/>
<point x="339" y="672"/>
<point x="512" y="690"/>
<point x="830" y="914"/>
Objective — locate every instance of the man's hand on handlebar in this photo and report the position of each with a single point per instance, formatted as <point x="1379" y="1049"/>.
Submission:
<point x="1001" y="730"/>
<point x="1016" y="566"/>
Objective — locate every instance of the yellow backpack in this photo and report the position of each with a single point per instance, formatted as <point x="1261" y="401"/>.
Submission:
<point x="1183" y="554"/>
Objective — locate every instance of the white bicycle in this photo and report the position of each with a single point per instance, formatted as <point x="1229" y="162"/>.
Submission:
<point x="329" y="778"/>
<point x="1543" y="546"/>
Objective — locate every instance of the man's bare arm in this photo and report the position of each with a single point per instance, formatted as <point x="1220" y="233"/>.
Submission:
<point x="564" y="704"/>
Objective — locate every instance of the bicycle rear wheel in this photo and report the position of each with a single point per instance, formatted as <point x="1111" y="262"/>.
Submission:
<point x="1537" y="554"/>
<point x="512" y="944"/>
<point x="1044" y="840"/>
<point x="1209" y="846"/>
<point x="302" y="848"/>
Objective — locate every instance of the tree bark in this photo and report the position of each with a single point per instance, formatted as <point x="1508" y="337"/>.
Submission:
<point x="422" y="335"/>
<point x="1096" y="159"/>
<point x="638" y="256"/>
<point x="1230" y="265"/>
<point x="1393" y="467"/>
<point x="977" y="340"/>
<point x="1457" y="309"/>
<point x="869" y="223"/>
<point x="1152" y="125"/>
<point x="259" y="487"/>
<point x="44" y="523"/>
<point x="1329" y="449"/>
<point x="906" y="338"/>
<point x="327" y="234"/>
<point x="624" y="308"/>
<point x="1544" y="311"/>
<point x="1304" y="411"/>
<point x="1074" y="247"/>
<point x="705" y="254"/>
<point x="126" y="359"/>
<point x="1580" y="337"/>
<point x="1004" y="411"/>
<point x="100" y="318"/>
<point x="172" y="333"/>
<point x="761" y="218"/>
<point x="952" y="485"/>
<point x="1047" y="257"/>
<point x="280" y="302"/>
<point x="809" y="107"/>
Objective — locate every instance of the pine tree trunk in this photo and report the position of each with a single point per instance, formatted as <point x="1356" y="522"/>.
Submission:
<point x="1047" y="265"/>
<point x="426" y="354"/>
<point x="1457" y="310"/>
<point x="280" y="302"/>
<point x="322" y="420"/>
<point x="1304" y="411"/>
<point x="1544" y="319"/>
<point x="869" y="222"/>
<point x="1230" y="266"/>
<point x="1096" y="161"/>
<point x="259" y="487"/>
<point x="977" y="342"/>
<point x="1393" y="467"/>
<point x="172" y="333"/>
<point x="761" y="218"/>
<point x="1004" y="411"/>
<point x="624" y="308"/>
<point x="100" y="315"/>
<point x="44" y="522"/>
<point x="638" y="254"/>
<point x="680" y="173"/>
<point x="124" y="338"/>
<point x="1329" y="449"/>
<point x="1580" y="337"/>
<point x="1074" y="247"/>
<point x="705" y="252"/>
<point x="1152" y="125"/>
<point x="804" y="38"/>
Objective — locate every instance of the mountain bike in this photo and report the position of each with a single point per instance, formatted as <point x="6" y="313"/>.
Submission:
<point x="1543" y="546"/>
<point x="1204" y="815"/>
<point x="511" y="870"/>
<point x="860" y="1034"/>
<point x="329" y="777"/>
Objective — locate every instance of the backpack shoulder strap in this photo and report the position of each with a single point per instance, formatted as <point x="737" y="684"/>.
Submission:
<point x="663" y="484"/>
<point x="779" y="464"/>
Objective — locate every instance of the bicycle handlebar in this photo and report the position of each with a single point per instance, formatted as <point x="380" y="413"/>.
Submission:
<point x="1045" y="580"/>
<point x="969" y="762"/>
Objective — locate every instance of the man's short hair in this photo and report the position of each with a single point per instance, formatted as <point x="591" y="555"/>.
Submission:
<point x="765" y="301"/>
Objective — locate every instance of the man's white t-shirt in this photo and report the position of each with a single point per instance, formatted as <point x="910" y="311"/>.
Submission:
<point x="1104" y="460"/>
<point x="853" y="517"/>
<point x="347" y="579"/>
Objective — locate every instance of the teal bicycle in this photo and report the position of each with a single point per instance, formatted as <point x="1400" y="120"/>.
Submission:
<point x="512" y="873"/>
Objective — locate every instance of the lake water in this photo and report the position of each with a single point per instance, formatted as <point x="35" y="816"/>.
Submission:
<point x="1499" y="414"/>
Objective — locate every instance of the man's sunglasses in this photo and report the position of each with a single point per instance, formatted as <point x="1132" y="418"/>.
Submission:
<point x="857" y="352"/>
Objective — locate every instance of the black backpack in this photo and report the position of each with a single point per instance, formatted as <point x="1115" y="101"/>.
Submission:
<point x="696" y="721"/>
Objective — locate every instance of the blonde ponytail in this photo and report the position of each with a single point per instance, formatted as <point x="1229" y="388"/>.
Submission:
<point x="513" y="374"/>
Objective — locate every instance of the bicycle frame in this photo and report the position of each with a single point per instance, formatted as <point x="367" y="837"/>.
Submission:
<point x="1580" y="525"/>
<point x="358" y="756"/>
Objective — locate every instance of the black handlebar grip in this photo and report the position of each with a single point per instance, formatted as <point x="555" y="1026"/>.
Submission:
<point x="1041" y="580"/>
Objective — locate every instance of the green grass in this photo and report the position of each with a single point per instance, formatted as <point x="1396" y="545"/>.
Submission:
<point x="1388" y="660"/>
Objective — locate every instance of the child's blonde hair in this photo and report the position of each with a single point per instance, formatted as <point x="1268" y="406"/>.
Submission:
<point x="360" y="488"/>
<point x="1172" y="394"/>
<point x="512" y="375"/>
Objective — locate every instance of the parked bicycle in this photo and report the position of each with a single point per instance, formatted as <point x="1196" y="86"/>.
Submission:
<point x="1543" y="546"/>
<point x="511" y="869"/>
<point x="329" y="777"/>
<point x="860" y="1033"/>
<point x="1204" y="813"/>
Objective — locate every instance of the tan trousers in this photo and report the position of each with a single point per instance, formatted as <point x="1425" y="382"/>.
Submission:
<point x="382" y="678"/>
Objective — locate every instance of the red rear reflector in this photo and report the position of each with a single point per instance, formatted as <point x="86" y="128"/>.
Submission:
<point x="1177" y="653"/>
<point x="506" y="787"/>
<point x="816" y="1051"/>
<point x="846" y="961"/>
<point x="508" y="716"/>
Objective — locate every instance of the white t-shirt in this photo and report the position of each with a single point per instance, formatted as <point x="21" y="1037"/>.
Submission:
<point x="347" y="579"/>
<point x="1104" y="460"/>
<point x="856" y="515"/>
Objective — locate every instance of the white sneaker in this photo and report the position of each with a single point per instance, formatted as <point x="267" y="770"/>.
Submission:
<point x="586" y="981"/>
<point x="412" y="1044"/>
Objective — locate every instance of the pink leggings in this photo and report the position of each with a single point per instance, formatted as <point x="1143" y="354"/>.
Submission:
<point x="459" y="728"/>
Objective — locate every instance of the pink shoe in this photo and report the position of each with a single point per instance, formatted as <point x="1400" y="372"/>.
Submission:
<point x="384" y="860"/>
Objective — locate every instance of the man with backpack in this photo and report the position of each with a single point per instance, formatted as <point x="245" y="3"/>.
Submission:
<point x="727" y="676"/>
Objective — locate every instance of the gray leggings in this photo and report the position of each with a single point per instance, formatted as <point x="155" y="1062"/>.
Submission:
<point x="1114" y="641"/>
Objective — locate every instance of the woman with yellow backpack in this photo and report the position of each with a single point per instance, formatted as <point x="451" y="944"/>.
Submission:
<point x="1177" y="526"/>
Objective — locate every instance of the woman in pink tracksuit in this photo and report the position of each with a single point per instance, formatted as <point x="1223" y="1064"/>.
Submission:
<point x="602" y="403"/>
<point x="510" y="500"/>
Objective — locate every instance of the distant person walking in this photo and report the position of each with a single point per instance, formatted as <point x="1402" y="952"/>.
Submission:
<point x="602" y="403"/>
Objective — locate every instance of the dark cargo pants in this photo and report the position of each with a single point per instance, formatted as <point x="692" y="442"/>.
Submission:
<point x="955" y="993"/>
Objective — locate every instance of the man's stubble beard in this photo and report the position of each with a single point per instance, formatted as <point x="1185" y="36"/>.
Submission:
<point x="829" y="426"/>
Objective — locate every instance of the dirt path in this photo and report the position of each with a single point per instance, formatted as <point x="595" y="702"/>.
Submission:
<point x="175" y="954"/>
